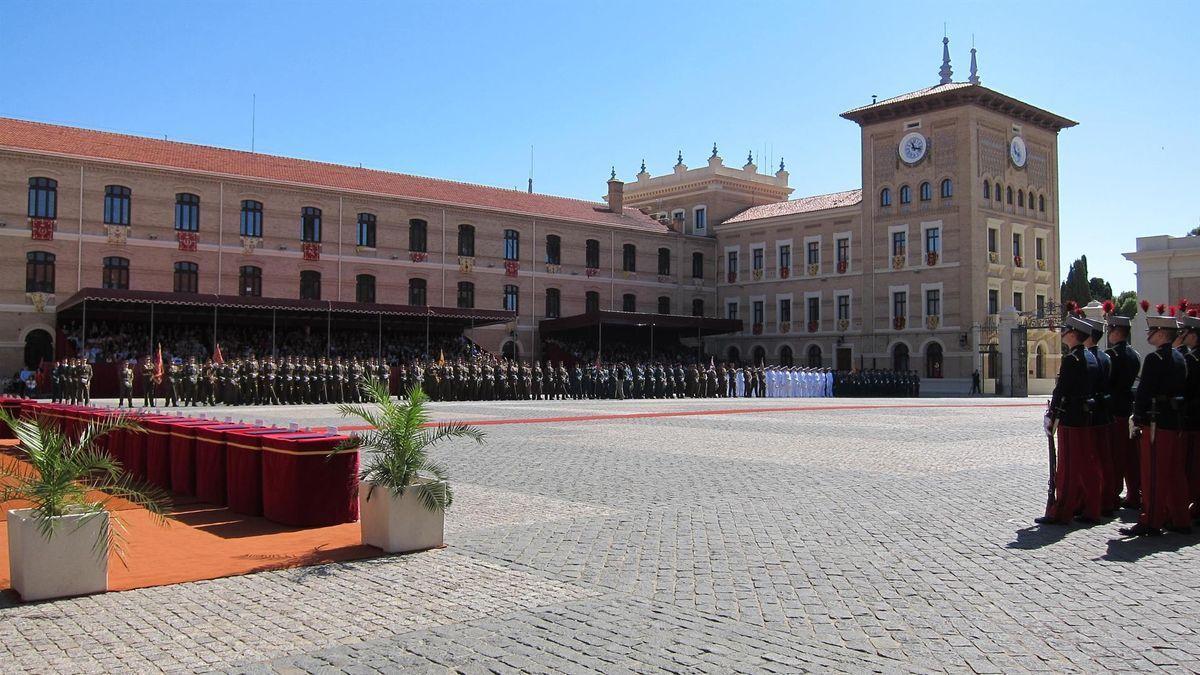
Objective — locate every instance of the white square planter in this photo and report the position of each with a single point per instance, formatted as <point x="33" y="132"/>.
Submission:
<point x="398" y="524"/>
<point x="66" y="564"/>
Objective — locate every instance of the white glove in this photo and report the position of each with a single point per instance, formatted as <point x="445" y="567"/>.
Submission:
<point x="1133" y="430"/>
<point x="1048" y="424"/>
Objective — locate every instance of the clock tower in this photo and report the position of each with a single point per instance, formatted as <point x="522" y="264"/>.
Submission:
<point x="960" y="207"/>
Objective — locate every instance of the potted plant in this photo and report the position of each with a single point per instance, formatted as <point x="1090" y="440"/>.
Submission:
<point x="402" y="493"/>
<point x="59" y="546"/>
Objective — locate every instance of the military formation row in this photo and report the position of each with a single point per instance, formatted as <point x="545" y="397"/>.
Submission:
<point x="1112" y="435"/>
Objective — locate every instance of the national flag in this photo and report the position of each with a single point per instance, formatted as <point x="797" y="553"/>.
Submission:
<point x="158" y="366"/>
<point x="441" y="357"/>
<point x="217" y="356"/>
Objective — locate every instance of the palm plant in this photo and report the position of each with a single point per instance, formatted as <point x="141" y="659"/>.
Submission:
<point x="63" y="476"/>
<point x="396" y="448"/>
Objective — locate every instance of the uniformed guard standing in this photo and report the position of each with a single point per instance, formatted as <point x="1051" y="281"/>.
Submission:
<point x="1156" y="407"/>
<point x="171" y="377"/>
<point x="1077" y="479"/>
<point x="1126" y="363"/>
<point x="191" y="381"/>
<point x="85" y="381"/>
<point x="1102" y="418"/>
<point x="126" y="390"/>
<point x="148" y="383"/>
<point x="56" y="380"/>
<point x="1189" y="331"/>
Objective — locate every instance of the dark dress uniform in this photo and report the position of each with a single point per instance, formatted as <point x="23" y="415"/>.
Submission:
<point x="126" y="393"/>
<point x="1077" y="479"/>
<point x="1156" y="410"/>
<point x="148" y="383"/>
<point x="1126" y="363"/>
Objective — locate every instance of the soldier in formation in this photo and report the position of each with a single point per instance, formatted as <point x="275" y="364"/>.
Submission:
<point x="71" y="381"/>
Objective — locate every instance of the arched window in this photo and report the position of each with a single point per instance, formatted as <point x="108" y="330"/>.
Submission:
<point x="900" y="357"/>
<point x="117" y="199"/>
<point x="1042" y="203"/>
<point x="310" y="285"/>
<point x="116" y="273"/>
<point x="1021" y="198"/>
<point x="814" y="356"/>
<point x="553" y="249"/>
<point x="310" y="224"/>
<point x="252" y="218"/>
<point x="926" y="191"/>
<point x="1008" y="193"/>
<point x="905" y="194"/>
<point x="948" y="188"/>
<point x="418" y="236"/>
<point x="591" y="254"/>
<point x="250" y="281"/>
<point x="466" y="295"/>
<point x="664" y="262"/>
<point x="933" y="360"/>
<point x="43" y="198"/>
<point x="187" y="212"/>
<point x="187" y="277"/>
<point x="39" y="272"/>
<point x="698" y="307"/>
<point x="697" y="265"/>
<point x="629" y="258"/>
<point x="885" y="197"/>
<point x="591" y="302"/>
<point x="664" y="304"/>
<point x="785" y="357"/>
<point x="366" y="230"/>
<point x="733" y="355"/>
<point x="759" y="356"/>
<point x="466" y="240"/>
<point x="987" y="189"/>
<point x="998" y="192"/>
<point x="1039" y="362"/>
<point x="512" y="245"/>
<point x="553" y="303"/>
<point x="418" y="292"/>
<point x="629" y="302"/>
<point x="364" y="288"/>
<point x="512" y="298"/>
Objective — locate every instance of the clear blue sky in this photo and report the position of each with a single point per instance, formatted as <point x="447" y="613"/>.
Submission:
<point x="460" y="90"/>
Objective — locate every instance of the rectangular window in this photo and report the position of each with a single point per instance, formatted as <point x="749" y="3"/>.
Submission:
<point x="250" y="281"/>
<point x="701" y="219"/>
<point x="366" y="230"/>
<point x="899" y="305"/>
<point x="187" y="212"/>
<point x="592" y="254"/>
<point x="731" y="265"/>
<point x="310" y="225"/>
<point x="785" y="256"/>
<point x="697" y="265"/>
<point x="664" y="304"/>
<point x="899" y="243"/>
<point x="993" y="301"/>
<point x="591" y="302"/>
<point x="418" y="236"/>
<point x="252" y="218"/>
<point x="814" y="310"/>
<point x="843" y="308"/>
<point x="511" y="299"/>
<point x="466" y="295"/>
<point x="310" y="285"/>
<point x="116" y="273"/>
<point x="364" y="288"/>
<point x="1019" y="301"/>
<point x="629" y="302"/>
<point x="1041" y="306"/>
<point x="116" y="205"/>
<point x="1016" y="245"/>
<point x="933" y="240"/>
<point x="187" y="277"/>
<point x="758" y="311"/>
<point x="814" y="252"/>
<point x="933" y="302"/>
<point x="993" y="243"/>
<point x="843" y="250"/>
<point x="731" y="310"/>
<point x="418" y="292"/>
<point x="664" y="262"/>
<point x="553" y="250"/>
<point x="757" y="258"/>
<point x="553" y="303"/>
<point x="1039" y="248"/>
<point x="512" y="245"/>
<point x="629" y="258"/>
<point x="785" y="309"/>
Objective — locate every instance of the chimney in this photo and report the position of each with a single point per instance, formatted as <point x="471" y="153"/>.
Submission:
<point x="616" y="194"/>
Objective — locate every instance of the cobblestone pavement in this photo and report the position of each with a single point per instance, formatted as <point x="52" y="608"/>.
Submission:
<point x="851" y="535"/>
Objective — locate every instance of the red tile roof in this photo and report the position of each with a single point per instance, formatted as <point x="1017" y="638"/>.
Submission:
<point x="37" y="137"/>
<point x="802" y="205"/>
<point x="956" y="93"/>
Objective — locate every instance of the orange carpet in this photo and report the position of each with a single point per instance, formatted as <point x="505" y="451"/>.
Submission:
<point x="202" y="541"/>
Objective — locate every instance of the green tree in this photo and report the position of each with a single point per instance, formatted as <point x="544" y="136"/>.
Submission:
<point x="1194" y="232"/>
<point x="1076" y="286"/>
<point x="1099" y="289"/>
<point x="1127" y="304"/>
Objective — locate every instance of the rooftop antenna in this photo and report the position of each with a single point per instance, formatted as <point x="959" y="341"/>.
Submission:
<point x="530" y="168"/>
<point x="253" y="118"/>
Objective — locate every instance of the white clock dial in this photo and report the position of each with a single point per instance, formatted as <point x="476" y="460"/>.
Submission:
<point x="912" y="147"/>
<point x="1016" y="151"/>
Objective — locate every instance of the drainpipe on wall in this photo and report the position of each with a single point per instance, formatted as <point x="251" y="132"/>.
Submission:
<point x="220" y="245"/>
<point x="79" y="246"/>
<point x="339" y="265"/>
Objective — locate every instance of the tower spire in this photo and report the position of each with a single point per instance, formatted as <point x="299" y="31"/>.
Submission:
<point x="945" y="71"/>
<point x="974" y="78"/>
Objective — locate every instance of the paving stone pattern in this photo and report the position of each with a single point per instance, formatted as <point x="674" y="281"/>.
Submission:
<point x="829" y="539"/>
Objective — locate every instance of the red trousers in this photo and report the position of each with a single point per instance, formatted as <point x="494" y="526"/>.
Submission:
<point x="1109" y="495"/>
<point x="1127" y="463"/>
<point x="1078" y="481"/>
<point x="1192" y="454"/>
<point x="1164" y="481"/>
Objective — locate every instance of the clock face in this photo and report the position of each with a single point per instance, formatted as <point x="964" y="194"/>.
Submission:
<point x="912" y="147"/>
<point x="1016" y="151"/>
